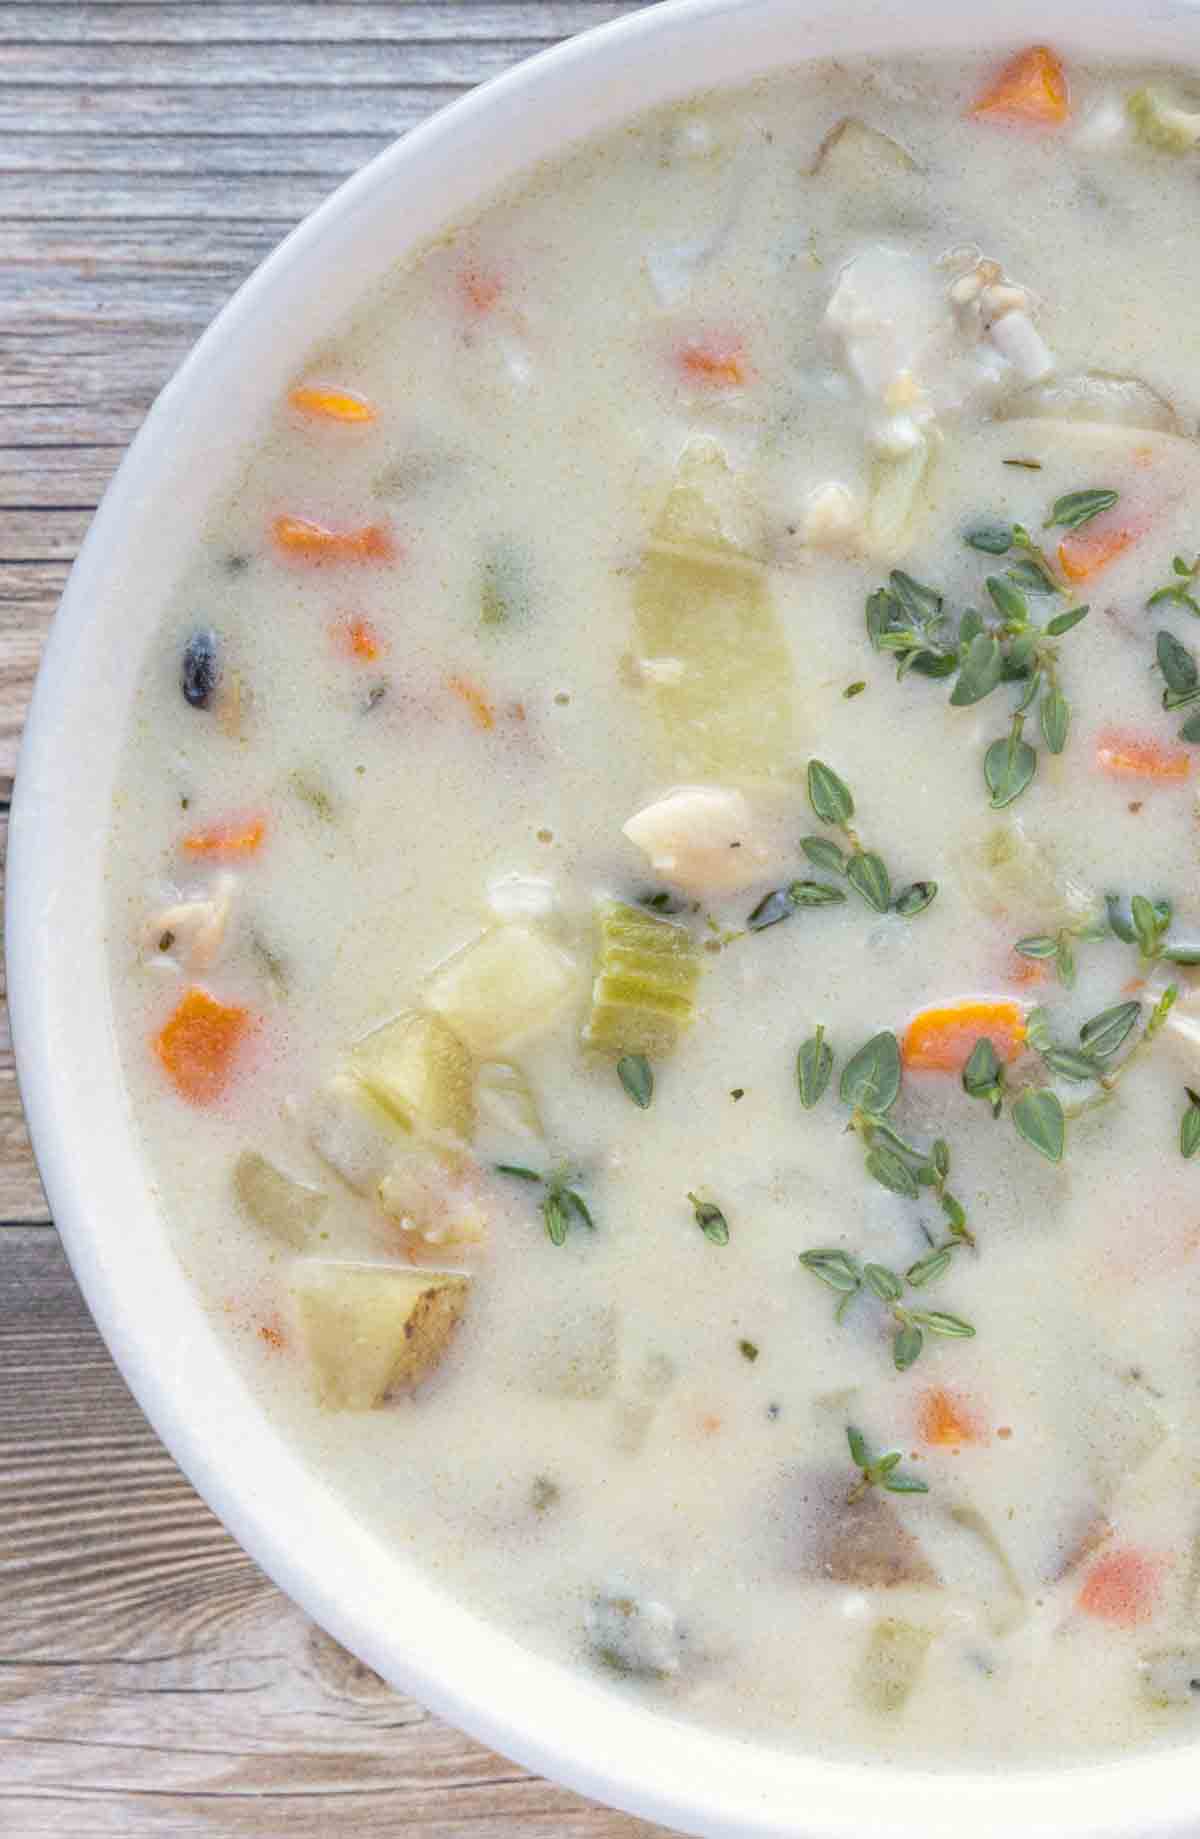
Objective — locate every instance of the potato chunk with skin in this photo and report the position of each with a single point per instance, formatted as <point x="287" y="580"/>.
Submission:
<point x="420" y="1072"/>
<point x="373" y="1329"/>
<point x="862" y="1542"/>
<point x="702" y="839"/>
<point x="508" y="985"/>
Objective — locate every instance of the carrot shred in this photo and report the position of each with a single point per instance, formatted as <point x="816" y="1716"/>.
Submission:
<point x="313" y="542"/>
<point x="1083" y="553"/>
<point x="945" y="1420"/>
<point x="330" y="404"/>
<point x="1121" y="1588"/>
<point x="198" y="1045"/>
<point x="357" y="638"/>
<point x="481" y="289"/>
<point x="483" y="712"/>
<point x="1127" y="756"/>
<point x="1031" y="87"/>
<point x="1025" y="971"/>
<point x="940" y="1040"/>
<point x="717" y="361"/>
<point x="225" y="842"/>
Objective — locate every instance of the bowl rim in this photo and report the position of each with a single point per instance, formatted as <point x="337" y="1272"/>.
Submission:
<point x="481" y="1680"/>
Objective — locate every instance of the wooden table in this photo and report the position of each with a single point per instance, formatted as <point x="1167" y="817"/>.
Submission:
<point x="151" y="1680"/>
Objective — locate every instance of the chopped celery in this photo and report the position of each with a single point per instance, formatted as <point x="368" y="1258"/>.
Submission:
<point x="896" y="483"/>
<point x="421" y="1074"/>
<point x="646" y="976"/>
<point x="1009" y="875"/>
<point x="1163" y="124"/>
<point x="282" y="1206"/>
<point x="702" y="603"/>
<point x="1128" y="1429"/>
<point x="635" y="1634"/>
<point x="510" y="983"/>
<point x="892" y="1663"/>
<point x="505" y="1105"/>
<point x="503" y="586"/>
<point x="370" y="1330"/>
<point x="1093" y="396"/>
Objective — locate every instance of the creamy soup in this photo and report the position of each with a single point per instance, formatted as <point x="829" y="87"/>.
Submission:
<point x="653" y="889"/>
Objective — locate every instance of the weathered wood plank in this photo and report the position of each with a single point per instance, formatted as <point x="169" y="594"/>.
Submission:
<point x="319" y="21"/>
<point x="332" y="156"/>
<point x="130" y="109"/>
<point x="152" y="1681"/>
<point x="215" y="65"/>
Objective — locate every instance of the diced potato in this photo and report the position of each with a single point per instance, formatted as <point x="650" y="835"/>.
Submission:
<point x="1127" y="1428"/>
<point x="892" y="1664"/>
<point x="424" y="1194"/>
<point x="575" y="1355"/>
<point x="703" y="601"/>
<point x="646" y="976"/>
<point x="872" y="173"/>
<point x="710" y="504"/>
<point x="350" y="1133"/>
<point x="1093" y="396"/>
<point x="288" y="1209"/>
<point x="373" y="1329"/>
<point x="635" y="1635"/>
<point x="506" y="1108"/>
<point x="508" y="985"/>
<point x="703" y="839"/>
<point x="862" y="1542"/>
<point x="420" y="1072"/>
<point x="832" y="518"/>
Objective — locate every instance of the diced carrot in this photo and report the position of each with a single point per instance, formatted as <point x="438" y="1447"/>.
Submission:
<point x="944" y="1419"/>
<point x="330" y="404"/>
<point x="717" y="361"/>
<point x="271" y="1331"/>
<point x="1031" y="87"/>
<point x="1083" y="553"/>
<point x="1122" y="1588"/>
<point x="358" y="638"/>
<point x="1127" y="756"/>
<point x="941" y="1039"/>
<point x="226" y="842"/>
<point x="483" y="712"/>
<point x="710" y="1424"/>
<point x="198" y="1045"/>
<point x="1025" y="970"/>
<point x="1133" y="986"/>
<point x="481" y="289"/>
<point x="313" y="542"/>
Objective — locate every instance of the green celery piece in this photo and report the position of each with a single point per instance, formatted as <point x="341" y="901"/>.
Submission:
<point x="1163" y="124"/>
<point x="643" y="995"/>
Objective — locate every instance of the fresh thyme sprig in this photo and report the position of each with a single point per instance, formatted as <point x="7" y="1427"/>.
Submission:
<point x="1146" y="923"/>
<point x="909" y="620"/>
<point x="878" y="1471"/>
<point x="832" y="803"/>
<point x="1178" y="590"/>
<point x="560" y="1205"/>
<point x="850" y="1277"/>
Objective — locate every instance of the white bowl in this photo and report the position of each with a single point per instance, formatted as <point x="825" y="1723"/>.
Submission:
<point x="373" y="1600"/>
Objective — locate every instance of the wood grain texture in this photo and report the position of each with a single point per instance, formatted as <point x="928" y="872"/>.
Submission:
<point x="152" y="1682"/>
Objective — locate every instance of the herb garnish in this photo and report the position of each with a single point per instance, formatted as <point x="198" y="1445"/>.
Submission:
<point x="910" y="620"/>
<point x="1189" y="1126"/>
<point x="879" y="1471"/>
<point x="560" y="1206"/>
<point x="1146" y="924"/>
<point x="842" y="1272"/>
<point x="710" y="1220"/>
<point x="833" y="803"/>
<point x="748" y="1351"/>
<point x="637" y="1076"/>
<point x="1179" y="590"/>
<point x="814" y="1064"/>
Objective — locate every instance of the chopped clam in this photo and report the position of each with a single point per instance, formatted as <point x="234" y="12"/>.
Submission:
<point x="192" y="932"/>
<point x="702" y="839"/>
<point x="423" y="1194"/>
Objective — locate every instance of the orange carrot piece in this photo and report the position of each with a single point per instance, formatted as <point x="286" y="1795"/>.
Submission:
<point x="1031" y="87"/>
<point x="1122" y="1588"/>
<point x="313" y="542"/>
<point x="945" y="1420"/>
<point x="483" y="713"/>
<point x="330" y="404"/>
<point x="481" y="289"/>
<point x="198" y="1045"/>
<point x="1083" y="553"/>
<point x="1126" y="756"/>
<point x="717" y="361"/>
<point x="226" y="842"/>
<point x="358" y="638"/>
<point x="940" y="1040"/>
<point x="1025" y="970"/>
